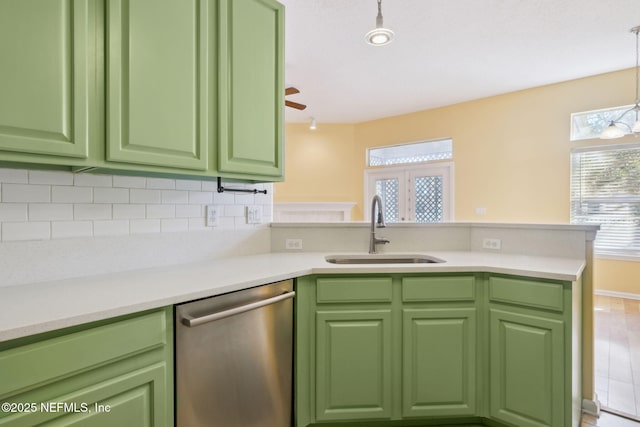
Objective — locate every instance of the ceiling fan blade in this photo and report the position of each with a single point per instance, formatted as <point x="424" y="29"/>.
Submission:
<point x="291" y="91"/>
<point x="295" y="105"/>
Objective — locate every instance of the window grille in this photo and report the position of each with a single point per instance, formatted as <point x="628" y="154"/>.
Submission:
<point x="415" y="152"/>
<point x="605" y="190"/>
<point x="590" y="124"/>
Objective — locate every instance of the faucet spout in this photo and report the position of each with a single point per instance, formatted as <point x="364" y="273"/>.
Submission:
<point x="373" y="241"/>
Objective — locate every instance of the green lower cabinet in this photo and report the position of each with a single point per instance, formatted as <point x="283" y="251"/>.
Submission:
<point x="394" y="350"/>
<point x="527" y="379"/>
<point x="353" y="365"/>
<point x="439" y="360"/>
<point x="113" y="373"/>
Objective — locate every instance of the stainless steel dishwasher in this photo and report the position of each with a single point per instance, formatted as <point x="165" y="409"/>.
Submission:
<point x="234" y="359"/>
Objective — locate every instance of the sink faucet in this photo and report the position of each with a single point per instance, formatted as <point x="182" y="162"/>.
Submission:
<point x="373" y="241"/>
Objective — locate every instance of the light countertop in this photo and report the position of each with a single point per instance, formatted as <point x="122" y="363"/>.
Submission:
<point x="46" y="306"/>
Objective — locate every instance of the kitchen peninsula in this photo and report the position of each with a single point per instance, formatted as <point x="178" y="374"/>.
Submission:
<point x="551" y="255"/>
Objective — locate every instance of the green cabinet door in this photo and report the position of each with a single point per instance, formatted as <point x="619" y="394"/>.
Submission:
<point x="251" y="96"/>
<point x="111" y="373"/>
<point x="158" y="89"/>
<point x="439" y="362"/>
<point x="46" y="68"/>
<point x="353" y="365"/>
<point x="526" y="369"/>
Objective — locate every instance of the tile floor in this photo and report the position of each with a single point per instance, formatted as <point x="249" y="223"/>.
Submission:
<point x="617" y="353"/>
<point x="607" y="420"/>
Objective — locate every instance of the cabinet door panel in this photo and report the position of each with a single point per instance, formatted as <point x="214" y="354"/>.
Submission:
<point x="353" y="365"/>
<point x="45" y="48"/>
<point x="251" y="87"/>
<point x="527" y="369"/>
<point x="439" y="356"/>
<point x="157" y="82"/>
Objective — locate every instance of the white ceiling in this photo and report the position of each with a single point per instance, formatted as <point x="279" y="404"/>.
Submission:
<point x="445" y="51"/>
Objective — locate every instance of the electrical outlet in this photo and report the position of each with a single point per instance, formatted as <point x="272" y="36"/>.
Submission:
<point x="213" y="216"/>
<point x="481" y="211"/>
<point x="495" y="244"/>
<point x="295" y="244"/>
<point x="254" y="214"/>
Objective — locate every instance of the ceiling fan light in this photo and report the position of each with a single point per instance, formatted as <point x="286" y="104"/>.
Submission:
<point x="612" y="132"/>
<point x="379" y="36"/>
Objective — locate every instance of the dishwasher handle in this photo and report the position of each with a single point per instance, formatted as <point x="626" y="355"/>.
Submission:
<point x="190" y="321"/>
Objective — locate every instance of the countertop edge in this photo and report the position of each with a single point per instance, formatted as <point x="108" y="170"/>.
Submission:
<point x="65" y="303"/>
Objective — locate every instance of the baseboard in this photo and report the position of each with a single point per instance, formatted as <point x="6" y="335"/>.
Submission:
<point x="616" y="294"/>
<point x="591" y="407"/>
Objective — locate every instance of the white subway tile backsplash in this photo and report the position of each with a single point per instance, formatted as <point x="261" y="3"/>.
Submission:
<point x="111" y="195"/>
<point x="200" y="198"/>
<point x="50" y="177"/>
<point x="161" y="183"/>
<point x="92" y="212"/>
<point x="121" y="211"/>
<point x="144" y="226"/>
<point x="37" y="204"/>
<point x="13" y="212"/>
<point x="61" y="194"/>
<point x="14" y="176"/>
<point x="187" y="184"/>
<point x="174" y="224"/>
<point x="67" y="229"/>
<point x="175" y="197"/>
<point x="234" y="210"/>
<point x="224" y="198"/>
<point x="26" y="193"/>
<point x="50" y="211"/>
<point x="26" y="231"/>
<point x="245" y="199"/>
<point x="144" y="196"/>
<point x="189" y="211"/>
<point x="210" y="186"/>
<point x="91" y="180"/>
<point x="161" y="211"/>
<point x="129" y="181"/>
<point x="198" y="224"/>
<point x="111" y="227"/>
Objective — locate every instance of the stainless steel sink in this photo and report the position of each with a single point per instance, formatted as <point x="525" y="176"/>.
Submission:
<point x="383" y="259"/>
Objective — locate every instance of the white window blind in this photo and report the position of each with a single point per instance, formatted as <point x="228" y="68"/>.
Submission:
<point x="605" y="190"/>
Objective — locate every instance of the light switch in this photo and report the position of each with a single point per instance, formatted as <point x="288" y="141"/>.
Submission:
<point x="254" y="214"/>
<point x="213" y="216"/>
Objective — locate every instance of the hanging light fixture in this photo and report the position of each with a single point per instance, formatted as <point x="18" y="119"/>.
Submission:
<point x="614" y="130"/>
<point x="379" y="36"/>
<point x="312" y="125"/>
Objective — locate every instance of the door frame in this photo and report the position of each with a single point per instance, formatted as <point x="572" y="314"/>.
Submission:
<point x="405" y="174"/>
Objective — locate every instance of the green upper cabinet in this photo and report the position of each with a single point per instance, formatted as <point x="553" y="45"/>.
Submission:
<point x="251" y="97"/>
<point x="157" y="82"/>
<point x="47" y="56"/>
<point x="163" y="87"/>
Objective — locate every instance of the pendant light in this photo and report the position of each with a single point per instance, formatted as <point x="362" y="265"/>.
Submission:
<point x="614" y="131"/>
<point x="312" y="125"/>
<point x="379" y="36"/>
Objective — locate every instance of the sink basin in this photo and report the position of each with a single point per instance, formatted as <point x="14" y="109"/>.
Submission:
<point x="383" y="259"/>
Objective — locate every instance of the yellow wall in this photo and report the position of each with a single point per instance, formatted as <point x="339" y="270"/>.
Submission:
<point x="322" y="165"/>
<point x="617" y="276"/>
<point x="511" y="155"/>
